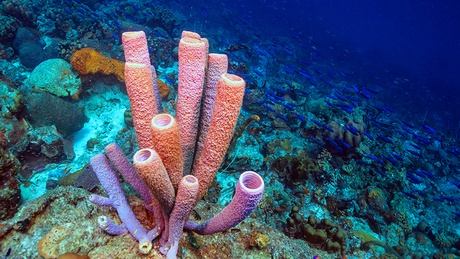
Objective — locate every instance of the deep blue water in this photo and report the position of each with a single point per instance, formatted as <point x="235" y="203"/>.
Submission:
<point x="377" y="41"/>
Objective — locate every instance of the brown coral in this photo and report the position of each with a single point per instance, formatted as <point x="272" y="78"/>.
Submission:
<point x="339" y="132"/>
<point x="88" y="61"/>
<point x="294" y="168"/>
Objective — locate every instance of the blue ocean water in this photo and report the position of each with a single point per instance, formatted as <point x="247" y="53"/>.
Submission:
<point x="357" y="136"/>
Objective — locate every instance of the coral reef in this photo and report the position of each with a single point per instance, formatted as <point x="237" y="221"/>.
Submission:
<point x="357" y="161"/>
<point x="324" y="233"/>
<point x="9" y="186"/>
<point x="36" y="219"/>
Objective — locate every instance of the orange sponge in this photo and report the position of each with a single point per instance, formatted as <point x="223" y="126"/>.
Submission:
<point x="164" y="89"/>
<point x="48" y="246"/>
<point x="88" y="61"/>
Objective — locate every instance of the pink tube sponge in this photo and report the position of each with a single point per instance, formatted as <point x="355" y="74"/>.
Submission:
<point x="249" y="191"/>
<point x="229" y="98"/>
<point x="135" y="47"/>
<point x="192" y="63"/>
<point x="217" y="66"/>
<point x="150" y="168"/>
<point x="166" y="142"/>
<point x="138" y="79"/>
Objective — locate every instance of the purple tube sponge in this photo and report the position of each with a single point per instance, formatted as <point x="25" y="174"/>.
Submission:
<point x="117" y="200"/>
<point x="119" y="161"/>
<point x="248" y="193"/>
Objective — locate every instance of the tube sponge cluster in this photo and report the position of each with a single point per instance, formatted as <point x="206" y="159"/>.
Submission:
<point x="178" y="157"/>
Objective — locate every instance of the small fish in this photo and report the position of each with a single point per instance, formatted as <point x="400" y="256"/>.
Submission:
<point x="413" y="179"/>
<point x="361" y="162"/>
<point x="317" y="122"/>
<point x="407" y="130"/>
<point x="282" y="117"/>
<point x="343" y="143"/>
<point x="415" y="153"/>
<point x="312" y="139"/>
<point x="379" y="171"/>
<point x="344" y="105"/>
<point x="447" y="198"/>
<point x="423" y="140"/>
<point x="317" y="71"/>
<point x="391" y="160"/>
<point x="429" y="174"/>
<point x="352" y="129"/>
<point x="455" y="184"/>
<point x="304" y="74"/>
<point x="422" y="193"/>
<point x="454" y="151"/>
<point x="274" y="95"/>
<point x="388" y="109"/>
<point x="417" y="172"/>
<point x="302" y="92"/>
<point x="365" y="94"/>
<point x="375" y="123"/>
<point x="395" y="155"/>
<point x="280" y="90"/>
<point x="384" y="138"/>
<point x="369" y="136"/>
<point x="328" y="128"/>
<point x="288" y="106"/>
<point x="347" y="89"/>
<point x="355" y="88"/>
<point x="410" y="195"/>
<point x="300" y="117"/>
<point x="376" y="159"/>
<point x="257" y="72"/>
<point x="416" y="146"/>
<point x="341" y="97"/>
<point x="370" y="89"/>
<point x="334" y="144"/>
<point x="429" y="129"/>
<point x="338" y="91"/>
<point x="353" y="103"/>
<point x="400" y="132"/>
<point x="380" y="108"/>
<point x="438" y="199"/>
<point x="332" y="97"/>
<point x="170" y="81"/>
<point x="408" y="124"/>
<point x="456" y="213"/>
<point x="329" y="103"/>
<point x="268" y="107"/>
